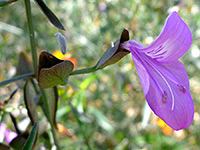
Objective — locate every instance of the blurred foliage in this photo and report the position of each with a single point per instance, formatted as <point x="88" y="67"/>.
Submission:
<point x="102" y="110"/>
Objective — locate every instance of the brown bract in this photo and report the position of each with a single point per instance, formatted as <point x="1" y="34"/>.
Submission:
<point x="114" y="53"/>
<point x="52" y="71"/>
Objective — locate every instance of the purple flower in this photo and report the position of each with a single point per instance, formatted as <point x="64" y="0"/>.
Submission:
<point x="163" y="77"/>
<point x="8" y="134"/>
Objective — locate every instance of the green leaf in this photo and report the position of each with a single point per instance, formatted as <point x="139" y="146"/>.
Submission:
<point x="29" y="98"/>
<point x="49" y="14"/>
<point x="88" y="81"/>
<point x="80" y="99"/>
<point x="114" y="53"/>
<point x="31" y="138"/>
<point x="53" y="71"/>
<point x="50" y="104"/>
<point x="24" y="64"/>
<point x="4" y="147"/>
<point x="81" y="117"/>
<point x="102" y="120"/>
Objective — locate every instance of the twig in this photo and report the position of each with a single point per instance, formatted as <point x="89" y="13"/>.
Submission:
<point x="31" y="34"/>
<point x="24" y="76"/>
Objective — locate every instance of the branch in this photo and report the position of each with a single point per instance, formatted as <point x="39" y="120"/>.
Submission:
<point x="24" y="76"/>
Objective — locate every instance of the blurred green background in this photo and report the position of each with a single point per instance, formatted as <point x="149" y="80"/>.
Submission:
<point x="110" y="101"/>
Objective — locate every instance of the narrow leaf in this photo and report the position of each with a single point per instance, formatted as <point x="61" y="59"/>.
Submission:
<point x="114" y="53"/>
<point x="31" y="138"/>
<point x="101" y="119"/>
<point x="29" y="95"/>
<point x="52" y="102"/>
<point x="49" y="14"/>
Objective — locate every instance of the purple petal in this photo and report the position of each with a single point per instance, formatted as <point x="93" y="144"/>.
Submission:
<point x="2" y="131"/>
<point x="2" y="127"/>
<point x="10" y="135"/>
<point x="168" y="92"/>
<point x="144" y="76"/>
<point x="174" y="41"/>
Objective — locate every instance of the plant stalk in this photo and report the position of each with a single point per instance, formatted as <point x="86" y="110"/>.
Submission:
<point x="31" y="35"/>
<point x="84" y="71"/>
<point x="35" y="61"/>
<point x="24" y="76"/>
<point x="47" y="108"/>
<point x="32" y="75"/>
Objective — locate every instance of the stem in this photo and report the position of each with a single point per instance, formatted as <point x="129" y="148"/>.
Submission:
<point x="24" y="76"/>
<point x="31" y="34"/>
<point x="83" y="71"/>
<point x="34" y="58"/>
<point x="46" y="106"/>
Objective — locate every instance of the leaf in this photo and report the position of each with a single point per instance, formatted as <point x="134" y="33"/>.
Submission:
<point x="31" y="138"/>
<point x="81" y="117"/>
<point x="53" y="71"/>
<point x="52" y="102"/>
<point x="29" y="99"/>
<point x="80" y="99"/>
<point x="25" y="64"/>
<point x="87" y="81"/>
<point x="114" y="53"/>
<point x="4" y="147"/>
<point x="101" y="119"/>
<point x="49" y="14"/>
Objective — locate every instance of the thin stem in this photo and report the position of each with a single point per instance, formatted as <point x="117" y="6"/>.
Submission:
<point x="83" y="71"/>
<point x="31" y="34"/>
<point x="47" y="108"/>
<point x="32" y="75"/>
<point x="24" y="76"/>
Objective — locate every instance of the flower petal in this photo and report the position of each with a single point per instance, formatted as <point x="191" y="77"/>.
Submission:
<point x="173" y="42"/>
<point x="10" y="135"/>
<point x="168" y="92"/>
<point x="143" y="74"/>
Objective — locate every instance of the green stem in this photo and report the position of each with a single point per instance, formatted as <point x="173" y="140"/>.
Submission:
<point x="83" y="71"/>
<point x="31" y="34"/>
<point x="47" y="108"/>
<point x="24" y="76"/>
